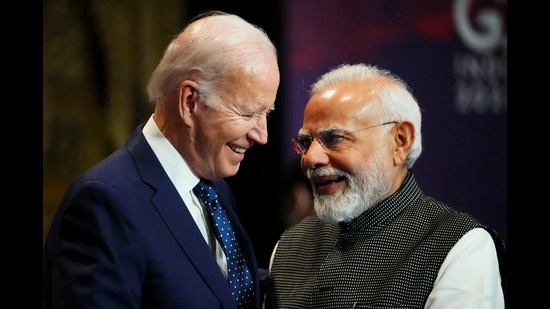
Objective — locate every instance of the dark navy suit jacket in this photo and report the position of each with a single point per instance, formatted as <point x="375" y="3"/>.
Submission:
<point x="123" y="238"/>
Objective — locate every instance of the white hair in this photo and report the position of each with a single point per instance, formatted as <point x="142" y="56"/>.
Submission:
<point x="212" y="46"/>
<point x="396" y="99"/>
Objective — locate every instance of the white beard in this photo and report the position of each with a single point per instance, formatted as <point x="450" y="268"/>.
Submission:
<point x="365" y="189"/>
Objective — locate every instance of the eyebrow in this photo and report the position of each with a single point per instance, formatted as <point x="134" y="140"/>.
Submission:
<point x="333" y="127"/>
<point x="256" y="110"/>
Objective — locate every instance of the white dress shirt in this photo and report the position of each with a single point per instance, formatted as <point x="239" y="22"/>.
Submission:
<point x="184" y="180"/>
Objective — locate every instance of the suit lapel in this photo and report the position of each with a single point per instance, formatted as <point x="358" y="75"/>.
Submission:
<point x="177" y="218"/>
<point x="186" y="233"/>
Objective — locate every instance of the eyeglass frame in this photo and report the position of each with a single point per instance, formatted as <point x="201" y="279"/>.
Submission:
<point x="300" y="148"/>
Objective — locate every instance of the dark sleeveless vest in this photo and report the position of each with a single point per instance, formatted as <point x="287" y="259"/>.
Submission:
<point x="388" y="257"/>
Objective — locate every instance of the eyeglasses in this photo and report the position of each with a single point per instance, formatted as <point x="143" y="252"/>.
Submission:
<point x="328" y="139"/>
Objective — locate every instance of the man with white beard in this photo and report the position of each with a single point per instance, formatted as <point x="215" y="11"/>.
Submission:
<point x="376" y="240"/>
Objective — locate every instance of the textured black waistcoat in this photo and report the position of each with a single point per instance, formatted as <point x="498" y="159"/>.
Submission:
<point x="388" y="257"/>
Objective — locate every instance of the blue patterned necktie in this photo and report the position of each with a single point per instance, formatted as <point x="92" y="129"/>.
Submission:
<point x="240" y="278"/>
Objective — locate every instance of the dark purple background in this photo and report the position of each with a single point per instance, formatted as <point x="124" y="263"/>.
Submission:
<point x="465" y="152"/>
<point x="464" y="158"/>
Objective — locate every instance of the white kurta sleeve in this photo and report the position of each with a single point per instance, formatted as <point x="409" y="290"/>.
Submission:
<point x="469" y="278"/>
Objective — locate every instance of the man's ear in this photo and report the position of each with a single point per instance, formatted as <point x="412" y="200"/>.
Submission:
<point x="188" y="101"/>
<point x="404" y="139"/>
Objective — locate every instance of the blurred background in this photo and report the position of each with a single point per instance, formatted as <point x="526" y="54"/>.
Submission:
<point x="98" y="55"/>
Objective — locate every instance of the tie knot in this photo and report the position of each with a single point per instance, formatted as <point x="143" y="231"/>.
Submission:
<point x="206" y="191"/>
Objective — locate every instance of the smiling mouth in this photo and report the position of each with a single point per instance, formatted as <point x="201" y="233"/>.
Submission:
<point x="325" y="182"/>
<point x="236" y="149"/>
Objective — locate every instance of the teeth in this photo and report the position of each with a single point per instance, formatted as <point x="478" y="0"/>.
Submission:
<point x="238" y="149"/>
